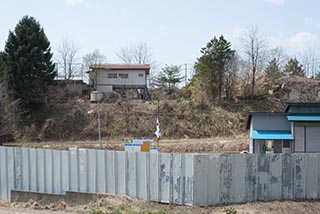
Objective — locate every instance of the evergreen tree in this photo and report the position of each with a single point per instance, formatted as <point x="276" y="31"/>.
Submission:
<point x="169" y="77"/>
<point x="28" y="68"/>
<point x="293" y="67"/>
<point x="210" y="67"/>
<point x="273" y="71"/>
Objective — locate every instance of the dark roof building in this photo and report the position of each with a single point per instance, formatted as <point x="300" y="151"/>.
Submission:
<point x="296" y="129"/>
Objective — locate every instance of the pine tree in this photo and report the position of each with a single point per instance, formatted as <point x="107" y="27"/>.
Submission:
<point x="293" y="67"/>
<point x="28" y="68"/>
<point x="169" y="77"/>
<point x="273" y="71"/>
<point x="211" y="65"/>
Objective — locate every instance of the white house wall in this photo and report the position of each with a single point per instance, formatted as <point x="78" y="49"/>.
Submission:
<point x="133" y="77"/>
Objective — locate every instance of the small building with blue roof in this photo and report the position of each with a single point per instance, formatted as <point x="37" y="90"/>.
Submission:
<point x="295" y="130"/>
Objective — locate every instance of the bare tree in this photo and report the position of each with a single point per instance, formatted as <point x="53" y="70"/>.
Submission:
<point x="310" y="62"/>
<point x="254" y="45"/>
<point x="231" y="76"/>
<point x="137" y="54"/>
<point x="93" y="58"/>
<point x="67" y="58"/>
<point x="280" y="55"/>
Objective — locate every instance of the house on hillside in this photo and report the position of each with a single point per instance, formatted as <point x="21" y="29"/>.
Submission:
<point x="120" y="78"/>
<point x="297" y="89"/>
<point x="295" y="130"/>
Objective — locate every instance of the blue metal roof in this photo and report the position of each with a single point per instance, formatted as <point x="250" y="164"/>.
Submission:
<point x="303" y="118"/>
<point x="271" y="135"/>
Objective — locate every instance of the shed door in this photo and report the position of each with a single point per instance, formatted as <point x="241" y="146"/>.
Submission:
<point x="312" y="138"/>
<point x="299" y="139"/>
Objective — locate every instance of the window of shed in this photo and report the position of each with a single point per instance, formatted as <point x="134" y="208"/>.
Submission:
<point x="123" y="76"/>
<point x="140" y="75"/>
<point x="112" y="76"/>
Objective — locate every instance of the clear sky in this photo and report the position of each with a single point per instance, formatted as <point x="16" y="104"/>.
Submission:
<point x="175" y="30"/>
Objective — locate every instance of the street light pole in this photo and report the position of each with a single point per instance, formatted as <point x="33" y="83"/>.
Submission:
<point x="99" y="129"/>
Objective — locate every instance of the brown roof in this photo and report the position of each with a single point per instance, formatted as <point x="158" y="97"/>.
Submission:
<point x="145" y="67"/>
<point x="296" y="79"/>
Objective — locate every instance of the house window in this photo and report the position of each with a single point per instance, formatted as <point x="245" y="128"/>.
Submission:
<point x="112" y="76"/>
<point x="140" y="75"/>
<point x="123" y="76"/>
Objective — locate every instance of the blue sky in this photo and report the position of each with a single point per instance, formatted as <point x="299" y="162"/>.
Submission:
<point x="175" y="30"/>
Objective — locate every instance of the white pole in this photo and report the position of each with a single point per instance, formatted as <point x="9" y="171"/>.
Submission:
<point x="99" y="130"/>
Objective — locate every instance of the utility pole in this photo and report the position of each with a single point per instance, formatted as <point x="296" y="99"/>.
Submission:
<point x="185" y="74"/>
<point x="99" y="129"/>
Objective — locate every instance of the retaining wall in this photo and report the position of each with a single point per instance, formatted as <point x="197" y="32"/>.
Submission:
<point x="187" y="179"/>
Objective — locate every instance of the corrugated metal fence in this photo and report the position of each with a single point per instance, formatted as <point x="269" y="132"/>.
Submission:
<point x="191" y="179"/>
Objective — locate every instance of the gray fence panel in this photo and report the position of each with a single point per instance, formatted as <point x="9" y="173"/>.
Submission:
<point x="74" y="169"/>
<point x="288" y="165"/>
<point x="3" y="175"/>
<point x="189" y="179"/>
<point x="65" y="171"/>
<point x="41" y="169"/>
<point x="200" y="184"/>
<point x="142" y="176"/>
<point x="33" y="170"/>
<point x="17" y="168"/>
<point x="226" y="179"/>
<point x="122" y="171"/>
<point x="83" y="172"/>
<point x="10" y="171"/>
<point x="92" y="170"/>
<point x="189" y="174"/>
<point x="251" y="176"/>
<point x="239" y="175"/>
<point x="25" y="169"/>
<point x="165" y="177"/>
<point x="178" y="178"/>
<point x="111" y="171"/>
<point x="56" y="172"/>
<point x="276" y="176"/>
<point x="263" y="181"/>
<point x="312" y="176"/>
<point x="213" y="181"/>
<point x="101" y="171"/>
<point x="300" y="176"/>
<point x="154" y="170"/>
<point x="132" y="174"/>
<point x="48" y="171"/>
